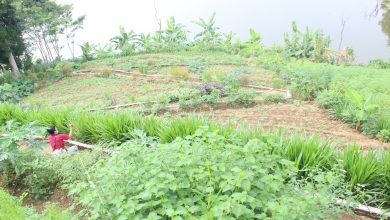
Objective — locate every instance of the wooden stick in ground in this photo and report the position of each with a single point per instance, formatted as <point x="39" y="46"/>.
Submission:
<point x="365" y="210"/>
<point x="122" y="106"/>
<point x="264" y="87"/>
<point x="79" y="144"/>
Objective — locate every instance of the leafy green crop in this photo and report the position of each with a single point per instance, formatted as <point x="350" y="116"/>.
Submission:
<point x="202" y="176"/>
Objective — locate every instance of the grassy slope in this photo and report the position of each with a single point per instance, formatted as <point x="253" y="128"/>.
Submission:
<point x="366" y="80"/>
<point x="92" y="91"/>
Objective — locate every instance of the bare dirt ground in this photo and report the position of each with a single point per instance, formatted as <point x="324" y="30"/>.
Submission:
<point x="59" y="197"/>
<point x="303" y="117"/>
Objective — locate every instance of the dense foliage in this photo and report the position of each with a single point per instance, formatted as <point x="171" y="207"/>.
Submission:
<point x="207" y="176"/>
<point x="307" y="154"/>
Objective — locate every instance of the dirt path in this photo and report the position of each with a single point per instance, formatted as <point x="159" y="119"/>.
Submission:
<point x="303" y="117"/>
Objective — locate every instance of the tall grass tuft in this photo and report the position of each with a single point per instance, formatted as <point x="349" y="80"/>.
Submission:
<point x="309" y="152"/>
<point x="180" y="128"/>
<point x="365" y="172"/>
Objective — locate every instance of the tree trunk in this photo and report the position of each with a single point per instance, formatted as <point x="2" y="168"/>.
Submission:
<point x="12" y="62"/>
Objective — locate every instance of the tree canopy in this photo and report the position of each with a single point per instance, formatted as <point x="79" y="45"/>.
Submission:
<point x="11" y="37"/>
<point x="36" y="25"/>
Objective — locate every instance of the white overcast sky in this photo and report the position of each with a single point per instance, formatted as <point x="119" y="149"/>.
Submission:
<point x="270" y="18"/>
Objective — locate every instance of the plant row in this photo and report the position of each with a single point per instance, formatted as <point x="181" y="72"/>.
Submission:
<point x="344" y="90"/>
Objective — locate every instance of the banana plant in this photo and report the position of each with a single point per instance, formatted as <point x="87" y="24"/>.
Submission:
<point x="254" y="43"/>
<point x="88" y="51"/>
<point x="144" y="42"/>
<point x="125" y="41"/>
<point x="209" y="34"/>
<point x="175" y="35"/>
<point x="227" y="41"/>
<point x="104" y="51"/>
<point x="360" y="107"/>
<point x="158" y="40"/>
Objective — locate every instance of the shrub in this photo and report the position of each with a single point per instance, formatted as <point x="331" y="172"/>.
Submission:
<point x="271" y="60"/>
<point x="276" y="81"/>
<point x="207" y="76"/>
<point x="328" y="99"/>
<point x="242" y="70"/>
<point x="105" y="73"/>
<point x="11" y="207"/>
<point x="180" y="73"/>
<point x="307" y="85"/>
<point x="66" y="69"/>
<point x="182" y="94"/>
<point x="384" y="135"/>
<point x="143" y="68"/>
<point x="275" y="98"/>
<point x="211" y="96"/>
<point x="23" y="88"/>
<point x="232" y="81"/>
<point x="194" y="177"/>
<point x="197" y="66"/>
<point x="243" y="97"/>
<point x="208" y="88"/>
<point x="8" y="94"/>
<point x="378" y="63"/>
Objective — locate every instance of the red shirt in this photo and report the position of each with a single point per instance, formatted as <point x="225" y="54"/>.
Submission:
<point x="59" y="141"/>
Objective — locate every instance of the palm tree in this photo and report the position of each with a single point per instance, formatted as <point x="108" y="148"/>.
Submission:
<point x="209" y="34"/>
<point x="124" y="41"/>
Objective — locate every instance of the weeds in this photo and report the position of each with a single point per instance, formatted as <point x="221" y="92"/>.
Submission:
<point x="384" y="135"/>
<point x="197" y="66"/>
<point x="275" y="98"/>
<point x="243" y="97"/>
<point x="143" y="68"/>
<point x="180" y="73"/>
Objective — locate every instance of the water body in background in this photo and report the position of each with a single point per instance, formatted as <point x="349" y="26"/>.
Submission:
<point x="363" y="31"/>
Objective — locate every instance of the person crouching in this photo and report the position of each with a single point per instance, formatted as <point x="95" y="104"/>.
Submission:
<point x="57" y="140"/>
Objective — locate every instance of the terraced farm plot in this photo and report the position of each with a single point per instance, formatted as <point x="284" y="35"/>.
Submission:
<point x="304" y="118"/>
